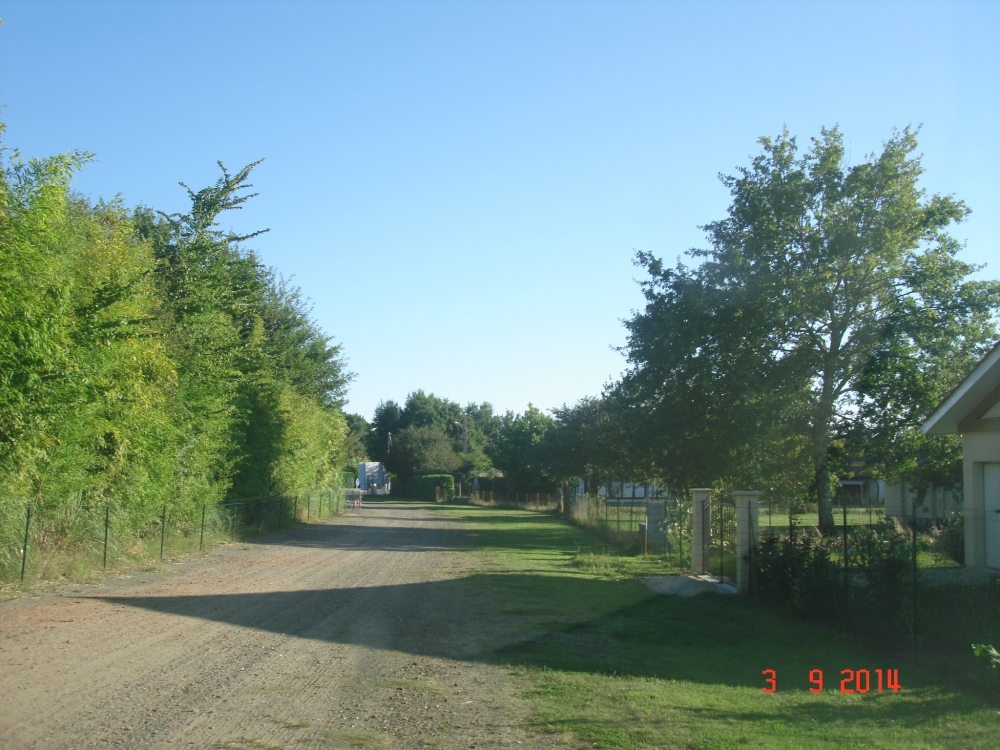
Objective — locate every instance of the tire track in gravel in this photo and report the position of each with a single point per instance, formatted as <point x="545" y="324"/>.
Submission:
<point x="350" y="633"/>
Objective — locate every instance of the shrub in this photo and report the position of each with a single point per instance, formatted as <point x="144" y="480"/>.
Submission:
<point x="951" y="540"/>
<point x="431" y="487"/>
<point x="806" y="574"/>
<point x="800" y="573"/>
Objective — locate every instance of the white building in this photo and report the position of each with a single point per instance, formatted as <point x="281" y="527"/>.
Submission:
<point x="373" y="478"/>
<point x="972" y="411"/>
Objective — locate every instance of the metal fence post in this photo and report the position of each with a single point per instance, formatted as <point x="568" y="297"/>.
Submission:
<point x="281" y="510"/>
<point x="107" y="521"/>
<point x="747" y="504"/>
<point x="700" y="531"/>
<point x="913" y="598"/>
<point x="201" y="541"/>
<point x="24" y="549"/>
<point x="163" y="529"/>
<point x="847" y="569"/>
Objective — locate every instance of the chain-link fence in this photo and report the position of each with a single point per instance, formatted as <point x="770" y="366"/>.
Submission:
<point x="75" y="541"/>
<point x="621" y="521"/>
<point x="895" y="578"/>
<point x="526" y="500"/>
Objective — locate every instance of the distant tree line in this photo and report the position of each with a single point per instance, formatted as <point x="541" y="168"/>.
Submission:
<point x="526" y="452"/>
<point x="150" y="359"/>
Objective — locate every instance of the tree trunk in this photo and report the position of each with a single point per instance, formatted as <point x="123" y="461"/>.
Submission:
<point x="821" y="453"/>
<point x="824" y="499"/>
<point x="564" y="500"/>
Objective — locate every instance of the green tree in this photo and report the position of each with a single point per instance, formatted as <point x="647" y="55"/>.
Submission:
<point x="422" y="450"/>
<point x="572" y="448"/>
<point x="516" y="449"/>
<point x="447" y="418"/>
<point x="387" y="422"/>
<point x="354" y="450"/>
<point x="819" y="271"/>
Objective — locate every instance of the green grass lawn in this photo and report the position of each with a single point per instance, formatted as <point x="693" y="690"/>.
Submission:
<point x="855" y="517"/>
<point x="604" y="663"/>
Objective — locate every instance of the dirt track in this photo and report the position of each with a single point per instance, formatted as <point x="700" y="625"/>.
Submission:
<point x="353" y="633"/>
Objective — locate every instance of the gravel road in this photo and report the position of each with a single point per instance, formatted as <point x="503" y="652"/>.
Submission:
<point x="357" y="632"/>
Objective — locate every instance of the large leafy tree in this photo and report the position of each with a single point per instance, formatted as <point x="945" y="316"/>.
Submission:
<point x="422" y="450"/>
<point x="515" y="450"/>
<point x="259" y="386"/>
<point x="829" y="291"/>
<point x="447" y="418"/>
<point x="571" y="448"/>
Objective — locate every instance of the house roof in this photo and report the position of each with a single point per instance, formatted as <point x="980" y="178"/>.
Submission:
<point x="966" y="396"/>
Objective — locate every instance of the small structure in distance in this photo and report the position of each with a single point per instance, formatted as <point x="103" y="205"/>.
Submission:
<point x="373" y="478"/>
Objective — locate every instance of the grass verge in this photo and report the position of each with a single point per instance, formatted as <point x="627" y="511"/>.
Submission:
<point x="602" y="660"/>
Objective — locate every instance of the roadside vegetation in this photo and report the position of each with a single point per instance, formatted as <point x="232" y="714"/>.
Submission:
<point x="826" y="318"/>
<point x="150" y="366"/>
<point x="605" y="662"/>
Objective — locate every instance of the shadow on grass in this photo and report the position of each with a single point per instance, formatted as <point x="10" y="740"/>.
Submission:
<point x="513" y="531"/>
<point x="566" y="624"/>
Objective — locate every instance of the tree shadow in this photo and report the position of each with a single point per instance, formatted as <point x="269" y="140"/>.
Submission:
<point x="565" y="624"/>
<point x="411" y="538"/>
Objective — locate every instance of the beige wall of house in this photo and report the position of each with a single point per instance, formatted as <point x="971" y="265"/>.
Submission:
<point x="972" y="411"/>
<point x="981" y="474"/>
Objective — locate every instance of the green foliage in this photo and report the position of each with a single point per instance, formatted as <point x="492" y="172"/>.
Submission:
<point x="148" y="361"/>
<point x="951" y="537"/>
<point x="986" y="651"/>
<point x="572" y="446"/>
<point x="806" y="572"/>
<point x="435" y="421"/>
<point x="421" y="450"/>
<point x="430" y="487"/>
<point x="516" y="451"/>
<point x="831" y="305"/>
<point x="354" y="448"/>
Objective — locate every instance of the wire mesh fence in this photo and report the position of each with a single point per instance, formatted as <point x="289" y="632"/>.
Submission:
<point x="74" y="541"/>
<point x="895" y="578"/>
<point x="526" y="500"/>
<point x="721" y="555"/>
<point x="621" y="521"/>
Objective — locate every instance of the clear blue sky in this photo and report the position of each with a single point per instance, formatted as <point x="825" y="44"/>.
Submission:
<point x="459" y="187"/>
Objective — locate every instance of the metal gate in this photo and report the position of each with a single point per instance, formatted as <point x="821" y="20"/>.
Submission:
<point x="721" y="558"/>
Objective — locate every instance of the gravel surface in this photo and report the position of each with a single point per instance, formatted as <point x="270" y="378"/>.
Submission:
<point x="351" y="633"/>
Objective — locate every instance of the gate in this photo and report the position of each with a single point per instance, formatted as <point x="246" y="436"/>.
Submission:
<point x="721" y="560"/>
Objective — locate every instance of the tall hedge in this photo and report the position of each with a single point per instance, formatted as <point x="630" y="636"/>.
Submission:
<point x="427" y="487"/>
<point x="148" y="361"/>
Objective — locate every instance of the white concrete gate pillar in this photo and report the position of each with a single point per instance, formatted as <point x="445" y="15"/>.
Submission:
<point x="699" y="529"/>
<point x="746" y="536"/>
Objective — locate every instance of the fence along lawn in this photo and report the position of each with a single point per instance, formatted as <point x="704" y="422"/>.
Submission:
<point x="603" y="661"/>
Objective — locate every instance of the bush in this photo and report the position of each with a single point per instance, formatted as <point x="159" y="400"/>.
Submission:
<point x="431" y="487"/>
<point x="951" y="540"/>
<point x="800" y="573"/>
<point x="806" y="574"/>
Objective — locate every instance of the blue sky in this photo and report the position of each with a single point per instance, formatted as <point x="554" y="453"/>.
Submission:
<point x="460" y="187"/>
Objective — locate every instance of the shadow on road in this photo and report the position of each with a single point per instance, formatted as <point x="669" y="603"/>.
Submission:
<point x="523" y="620"/>
<point x="561" y="622"/>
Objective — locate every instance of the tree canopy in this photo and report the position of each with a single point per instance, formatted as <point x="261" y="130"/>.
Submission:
<point x="830" y="303"/>
<point x="149" y="359"/>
